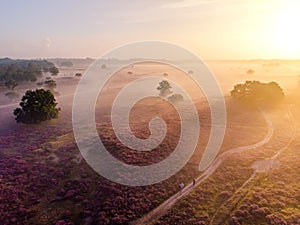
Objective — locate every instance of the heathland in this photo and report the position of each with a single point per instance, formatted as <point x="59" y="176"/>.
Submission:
<point x="254" y="179"/>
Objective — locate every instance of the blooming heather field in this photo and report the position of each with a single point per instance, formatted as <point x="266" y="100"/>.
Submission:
<point x="45" y="180"/>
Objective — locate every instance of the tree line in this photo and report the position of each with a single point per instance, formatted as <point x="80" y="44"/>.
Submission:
<point x="13" y="72"/>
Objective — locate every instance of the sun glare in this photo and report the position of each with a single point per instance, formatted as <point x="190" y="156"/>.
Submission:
<point x="286" y="34"/>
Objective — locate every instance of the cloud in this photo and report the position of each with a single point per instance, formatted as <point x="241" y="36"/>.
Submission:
<point x="188" y="3"/>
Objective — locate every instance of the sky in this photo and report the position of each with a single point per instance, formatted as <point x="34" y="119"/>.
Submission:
<point x="213" y="29"/>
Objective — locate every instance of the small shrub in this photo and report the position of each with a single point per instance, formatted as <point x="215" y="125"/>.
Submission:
<point x="176" y="98"/>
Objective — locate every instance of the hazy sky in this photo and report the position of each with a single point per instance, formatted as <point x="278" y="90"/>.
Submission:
<point x="213" y="29"/>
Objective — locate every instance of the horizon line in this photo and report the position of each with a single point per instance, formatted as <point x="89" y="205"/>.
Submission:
<point x="94" y="58"/>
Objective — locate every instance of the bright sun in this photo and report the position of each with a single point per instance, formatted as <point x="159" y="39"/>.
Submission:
<point x="286" y="33"/>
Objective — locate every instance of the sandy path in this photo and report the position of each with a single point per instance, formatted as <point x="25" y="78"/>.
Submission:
<point x="8" y="105"/>
<point x="263" y="167"/>
<point x="155" y="214"/>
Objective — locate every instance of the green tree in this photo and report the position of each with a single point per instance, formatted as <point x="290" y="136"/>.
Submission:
<point x="164" y="88"/>
<point x="258" y="93"/>
<point x="36" y="106"/>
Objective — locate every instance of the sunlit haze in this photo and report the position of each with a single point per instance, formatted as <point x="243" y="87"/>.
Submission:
<point x="213" y="29"/>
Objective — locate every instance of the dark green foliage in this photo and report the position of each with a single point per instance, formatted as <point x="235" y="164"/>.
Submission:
<point x="164" y="88"/>
<point x="258" y="93"/>
<point x="22" y="70"/>
<point x="36" y="106"/>
<point x="53" y="70"/>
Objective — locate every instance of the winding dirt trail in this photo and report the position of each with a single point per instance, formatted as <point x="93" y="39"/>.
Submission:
<point x="156" y="213"/>
<point x="8" y="105"/>
<point x="263" y="166"/>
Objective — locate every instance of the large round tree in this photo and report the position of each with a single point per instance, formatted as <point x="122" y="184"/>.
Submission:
<point x="36" y="106"/>
<point x="258" y="93"/>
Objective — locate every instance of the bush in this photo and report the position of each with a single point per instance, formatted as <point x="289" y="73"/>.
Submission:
<point x="53" y="70"/>
<point x="250" y="72"/>
<point x="175" y="98"/>
<point x="50" y="84"/>
<point x="36" y="106"/>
